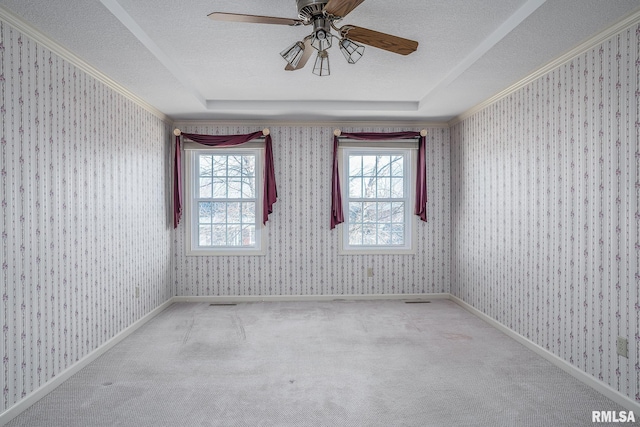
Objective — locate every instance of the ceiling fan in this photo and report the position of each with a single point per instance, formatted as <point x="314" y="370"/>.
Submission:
<point x="323" y="15"/>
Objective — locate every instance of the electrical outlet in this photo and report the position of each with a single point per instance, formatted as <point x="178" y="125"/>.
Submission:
<point x="623" y="347"/>
<point x="137" y="291"/>
<point x="369" y="272"/>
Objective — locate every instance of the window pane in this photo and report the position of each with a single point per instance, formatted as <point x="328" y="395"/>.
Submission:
<point x="397" y="187"/>
<point x="397" y="215"/>
<point x="248" y="165"/>
<point x="219" y="212"/>
<point x="219" y="188"/>
<point x="248" y="188"/>
<point x="248" y="212"/>
<point x="369" y="188"/>
<point x="233" y="212"/>
<point x="234" y="165"/>
<point x="355" y="212"/>
<point x="384" y="234"/>
<point x="383" y="165"/>
<point x="219" y="165"/>
<point x="397" y="234"/>
<point x="384" y="212"/>
<point x="397" y="166"/>
<point x="204" y="235"/>
<point x="355" y="187"/>
<point x="206" y="165"/>
<point x="234" y="235"/>
<point x="248" y="235"/>
<point x="234" y="188"/>
<point x="205" y="188"/>
<point x="384" y="188"/>
<point x="368" y="165"/>
<point x="355" y="234"/>
<point x="355" y="165"/>
<point x="205" y="210"/>
<point x="369" y="234"/>
<point x="219" y="237"/>
<point x="369" y="213"/>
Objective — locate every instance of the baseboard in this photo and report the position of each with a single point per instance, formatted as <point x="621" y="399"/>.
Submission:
<point x="283" y="298"/>
<point x="580" y="375"/>
<point x="47" y="388"/>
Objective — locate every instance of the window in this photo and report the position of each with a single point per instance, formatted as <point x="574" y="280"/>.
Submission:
<point x="377" y="198"/>
<point x="224" y="209"/>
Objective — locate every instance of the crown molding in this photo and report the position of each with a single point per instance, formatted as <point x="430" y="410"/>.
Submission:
<point x="631" y="19"/>
<point x="39" y="37"/>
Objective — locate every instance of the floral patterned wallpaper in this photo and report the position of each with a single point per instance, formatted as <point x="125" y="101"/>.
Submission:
<point x="84" y="225"/>
<point x="302" y="256"/>
<point x="545" y="210"/>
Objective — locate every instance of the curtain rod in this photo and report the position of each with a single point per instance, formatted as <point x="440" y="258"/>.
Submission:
<point x="265" y="132"/>
<point x="338" y="132"/>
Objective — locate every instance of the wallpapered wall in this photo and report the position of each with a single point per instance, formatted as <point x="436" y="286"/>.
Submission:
<point x="543" y="217"/>
<point x="545" y="211"/>
<point x="83" y="193"/>
<point x="302" y="254"/>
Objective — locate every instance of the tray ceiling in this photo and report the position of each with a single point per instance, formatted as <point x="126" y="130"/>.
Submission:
<point x="187" y="66"/>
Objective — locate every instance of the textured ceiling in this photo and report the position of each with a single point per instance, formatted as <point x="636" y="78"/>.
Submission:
<point x="189" y="67"/>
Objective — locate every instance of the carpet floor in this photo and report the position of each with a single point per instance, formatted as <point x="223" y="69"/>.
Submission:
<point x="339" y="363"/>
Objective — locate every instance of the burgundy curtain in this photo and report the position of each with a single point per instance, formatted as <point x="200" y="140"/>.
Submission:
<point x="270" y="193"/>
<point x="337" y="216"/>
<point x="177" y="184"/>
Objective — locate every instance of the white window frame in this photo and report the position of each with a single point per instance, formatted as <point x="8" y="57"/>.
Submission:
<point x="191" y="197"/>
<point x="409" y="151"/>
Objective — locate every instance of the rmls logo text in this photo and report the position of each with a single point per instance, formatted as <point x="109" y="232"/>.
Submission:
<point x="612" y="417"/>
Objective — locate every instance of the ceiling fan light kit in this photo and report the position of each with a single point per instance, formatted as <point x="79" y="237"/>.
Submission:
<point x="323" y="14"/>
<point x="351" y="50"/>
<point x="321" y="67"/>
<point x="293" y="53"/>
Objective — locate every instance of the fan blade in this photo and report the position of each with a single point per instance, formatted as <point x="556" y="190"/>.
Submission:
<point x="384" y="41"/>
<point x="254" y="19"/>
<point x="341" y="8"/>
<point x="306" y="54"/>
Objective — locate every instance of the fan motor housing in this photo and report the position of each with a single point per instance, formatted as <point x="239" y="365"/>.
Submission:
<point x="307" y="9"/>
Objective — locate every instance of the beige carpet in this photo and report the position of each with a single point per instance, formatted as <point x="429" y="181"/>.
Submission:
<point x="364" y="363"/>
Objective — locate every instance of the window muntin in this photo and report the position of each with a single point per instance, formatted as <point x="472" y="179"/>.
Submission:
<point x="225" y="202"/>
<point x="377" y="198"/>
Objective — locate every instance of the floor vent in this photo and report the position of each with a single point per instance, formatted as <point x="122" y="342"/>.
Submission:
<point x="218" y="304"/>
<point x="419" y="301"/>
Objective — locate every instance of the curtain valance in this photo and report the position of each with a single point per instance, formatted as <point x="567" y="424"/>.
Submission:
<point x="270" y="193"/>
<point x="337" y="216"/>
